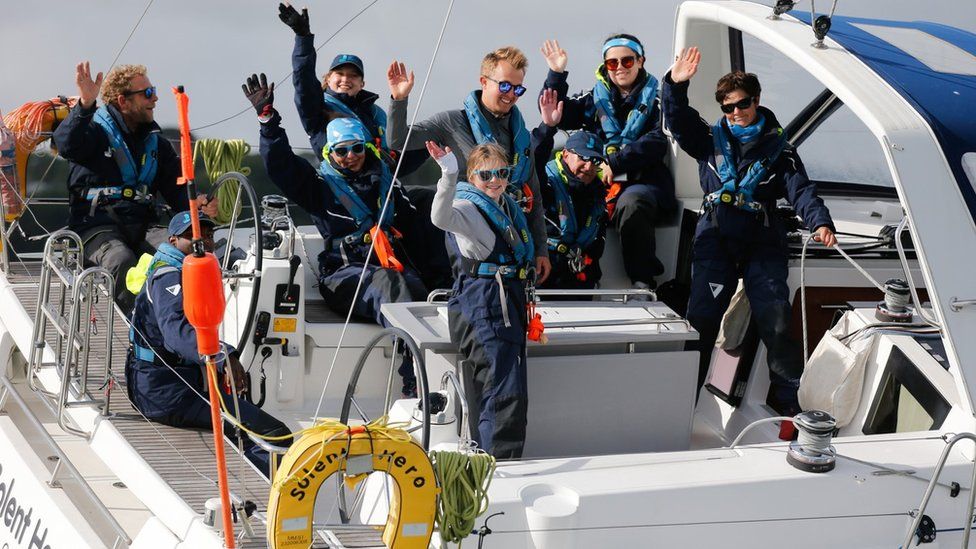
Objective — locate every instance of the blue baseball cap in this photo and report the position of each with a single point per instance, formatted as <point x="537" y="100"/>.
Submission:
<point x="347" y="59"/>
<point x="181" y="222"/>
<point x="342" y="130"/>
<point x="586" y="144"/>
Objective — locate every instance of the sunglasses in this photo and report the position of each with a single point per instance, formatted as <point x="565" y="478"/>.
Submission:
<point x="627" y="62"/>
<point x="149" y="92"/>
<point x="591" y="159"/>
<point x="488" y="175"/>
<point x="356" y="148"/>
<point x="729" y="108"/>
<point x="505" y="86"/>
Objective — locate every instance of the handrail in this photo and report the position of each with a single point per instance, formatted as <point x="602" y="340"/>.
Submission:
<point x="908" y="274"/>
<point x="59" y="241"/>
<point x="74" y="326"/>
<point x="63" y="460"/>
<point x="451" y="378"/>
<point x="596" y="292"/>
<point x="931" y="488"/>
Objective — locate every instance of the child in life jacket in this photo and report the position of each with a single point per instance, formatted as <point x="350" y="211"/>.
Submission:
<point x="487" y="310"/>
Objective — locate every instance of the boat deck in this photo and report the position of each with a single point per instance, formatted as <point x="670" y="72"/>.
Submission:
<point x="183" y="458"/>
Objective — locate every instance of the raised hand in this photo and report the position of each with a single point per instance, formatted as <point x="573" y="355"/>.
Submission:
<point x="259" y="93"/>
<point x="551" y="108"/>
<point x="444" y="157"/>
<point x="555" y="56"/>
<point x="297" y="21"/>
<point x="399" y="80"/>
<point x="87" y="88"/>
<point x="686" y="65"/>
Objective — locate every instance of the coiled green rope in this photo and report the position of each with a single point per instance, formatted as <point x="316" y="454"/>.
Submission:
<point x="220" y="157"/>
<point x="464" y="480"/>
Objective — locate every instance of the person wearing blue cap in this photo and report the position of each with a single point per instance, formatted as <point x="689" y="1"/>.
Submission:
<point x="341" y="89"/>
<point x="164" y="372"/>
<point x="346" y="198"/>
<point x="576" y="207"/>
<point x="623" y="109"/>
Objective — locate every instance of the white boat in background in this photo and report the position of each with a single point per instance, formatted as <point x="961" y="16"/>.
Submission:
<point x="620" y="451"/>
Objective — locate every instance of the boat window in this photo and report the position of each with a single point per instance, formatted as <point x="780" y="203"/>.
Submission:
<point x="841" y="149"/>
<point x="905" y="400"/>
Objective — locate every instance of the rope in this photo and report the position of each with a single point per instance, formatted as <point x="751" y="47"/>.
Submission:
<point x="386" y="204"/>
<point x="464" y="479"/>
<point x="330" y="429"/>
<point x="803" y="290"/>
<point x="220" y="157"/>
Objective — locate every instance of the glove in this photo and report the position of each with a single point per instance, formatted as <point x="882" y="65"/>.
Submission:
<point x="448" y="163"/>
<point x="259" y="94"/>
<point x="297" y="21"/>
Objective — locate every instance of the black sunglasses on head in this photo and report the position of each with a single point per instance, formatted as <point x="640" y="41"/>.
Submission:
<point x="149" y="92"/>
<point x="745" y="103"/>
<point x="505" y="86"/>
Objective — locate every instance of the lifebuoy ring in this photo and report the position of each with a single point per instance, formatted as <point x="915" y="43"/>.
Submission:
<point x="323" y="451"/>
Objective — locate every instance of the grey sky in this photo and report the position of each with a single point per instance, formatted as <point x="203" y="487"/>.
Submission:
<point x="211" y="45"/>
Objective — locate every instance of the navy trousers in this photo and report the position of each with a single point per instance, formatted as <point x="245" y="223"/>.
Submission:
<point x="718" y="263"/>
<point x="181" y="407"/>
<point x="492" y="362"/>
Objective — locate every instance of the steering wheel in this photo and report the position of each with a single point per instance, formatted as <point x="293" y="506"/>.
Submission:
<point x="232" y="275"/>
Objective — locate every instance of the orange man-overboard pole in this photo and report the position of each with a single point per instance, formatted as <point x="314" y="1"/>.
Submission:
<point x="203" y="304"/>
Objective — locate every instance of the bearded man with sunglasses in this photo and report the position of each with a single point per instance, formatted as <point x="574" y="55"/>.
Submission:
<point x="489" y="115"/>
<point x="118" y="163"/>
<point x="745" y="165"/>
<point x="623" y="109"/>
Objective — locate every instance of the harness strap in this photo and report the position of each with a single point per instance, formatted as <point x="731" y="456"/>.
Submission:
<point x="384" y="251"/>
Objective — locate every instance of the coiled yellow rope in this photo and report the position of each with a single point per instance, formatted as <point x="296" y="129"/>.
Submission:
<point x="220" y="157"/>
<point x="464" y="480"/>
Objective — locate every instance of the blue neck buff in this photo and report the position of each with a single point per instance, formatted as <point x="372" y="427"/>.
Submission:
<point x="169" y="254"/>
<point x="746" y="134"/>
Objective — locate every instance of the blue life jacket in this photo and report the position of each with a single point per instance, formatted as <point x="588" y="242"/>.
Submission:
<point x="379" y="119"/>
<point x="521" y="140"/>
<point x="167" y="259"/>
<point x="735" y="191"/>
<point x="571" y="235"/>
<point x="363" y="216"/>
<point x="511" y="227"/>
<point x="605" y="112"/>
<point x="135" y="184"/>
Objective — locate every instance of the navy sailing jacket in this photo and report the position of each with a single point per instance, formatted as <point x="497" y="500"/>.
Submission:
<point x="86" y="146"/>
<point x="787" y="179"/>
<point x="642" y="160"/>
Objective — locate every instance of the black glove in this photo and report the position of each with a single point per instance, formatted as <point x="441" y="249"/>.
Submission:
<point x="297" y="21"/>
<point x="259" y="94"/>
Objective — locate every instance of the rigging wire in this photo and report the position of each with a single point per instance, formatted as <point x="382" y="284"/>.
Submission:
<point x="288" y="76"/>
<point x="132" y="32"/>
<point x="386" y="204"/>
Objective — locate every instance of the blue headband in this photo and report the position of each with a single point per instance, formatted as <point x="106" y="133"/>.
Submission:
<point x="625" y="42"/>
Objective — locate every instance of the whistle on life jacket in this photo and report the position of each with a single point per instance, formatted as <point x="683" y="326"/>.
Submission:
<point x="535" y="331"/>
